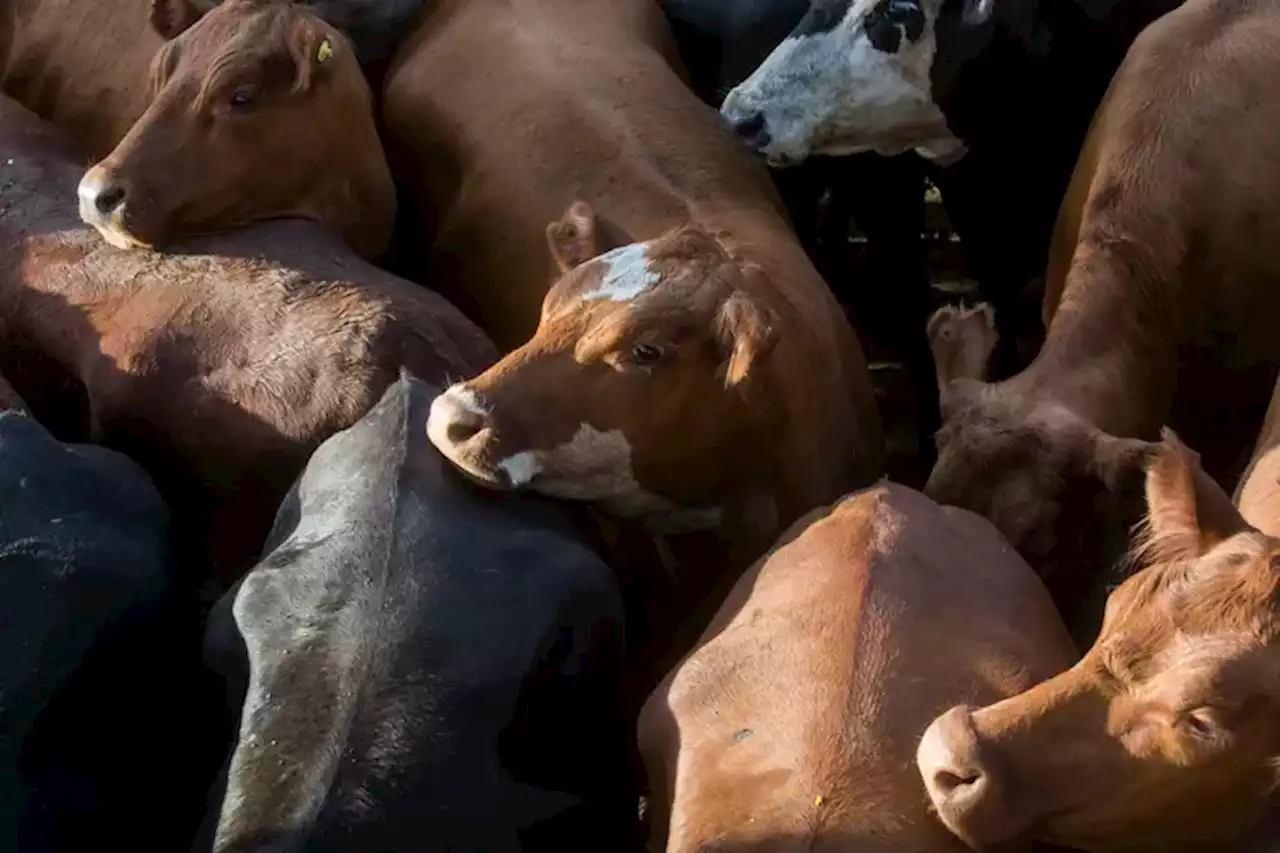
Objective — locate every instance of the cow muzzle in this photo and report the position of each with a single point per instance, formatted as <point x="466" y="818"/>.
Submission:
<point x="964" y="787"/>
<point x="461" y="426"/>
<point x="104" y="204"/>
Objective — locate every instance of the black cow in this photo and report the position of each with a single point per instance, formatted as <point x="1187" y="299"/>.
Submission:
<point x="99" y="734"/>
<point x="425" y="665"/>
<point x="998" y="93"/>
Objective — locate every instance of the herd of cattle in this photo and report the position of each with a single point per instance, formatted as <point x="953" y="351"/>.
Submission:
<point x="432" y="424"/>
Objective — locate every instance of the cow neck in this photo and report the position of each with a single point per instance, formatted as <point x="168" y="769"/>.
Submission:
<point x="754" y="233"/>
<point x="1111" y="351"/>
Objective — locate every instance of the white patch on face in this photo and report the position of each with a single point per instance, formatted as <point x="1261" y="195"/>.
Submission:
<point x="835" y="93"/>
<point x="521" y="468"/>
<point x="595" y="466"/>
<point x="626" y="275"/>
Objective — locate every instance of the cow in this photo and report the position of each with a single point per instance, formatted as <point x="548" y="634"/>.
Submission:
<point x="91" y="676"/>
<point x="79" y="64"/>
<point x="1163" y="736"/>
<point x="84" y="65"/>
<point x="792" y="725"/>
<point x="997" y="94"/>
<point x="218" y="368"/>
<point x="251" y="103"/>
<point x="1159" y="281"/>
<point x="668" y="322"/>
<point x="421" y="662"/>
<point x="721" y="43"/>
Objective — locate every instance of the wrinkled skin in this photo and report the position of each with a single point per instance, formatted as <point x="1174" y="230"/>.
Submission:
<point x="1164" y="736"/>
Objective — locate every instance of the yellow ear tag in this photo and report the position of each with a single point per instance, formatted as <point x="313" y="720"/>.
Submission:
<point x="324" y="51"/>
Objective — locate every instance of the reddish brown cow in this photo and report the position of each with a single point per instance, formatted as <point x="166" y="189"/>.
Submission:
<point x="689" y="366"/>
<point x="793" y="723"/>
<point x="260" y="111"/>
<point x="1165" y="736"/>
<point x="219" y="369"/>
<point x="1163" y="255"/>
<point x="81" y="64"/>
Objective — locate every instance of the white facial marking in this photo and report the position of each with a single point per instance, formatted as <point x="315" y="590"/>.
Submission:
<point x="595" y="465"/>
<point x="835" y="93"/>
<point x="521" y="467"/>
<point x="626" y="274"/>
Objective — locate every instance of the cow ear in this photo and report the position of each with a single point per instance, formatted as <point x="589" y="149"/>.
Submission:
<point x="575" y="237"/>
<point x="747" y="330"/>
<point x="171" y="18"/>
<point x="975" y="13"/>
<point x="1187" y="512"/>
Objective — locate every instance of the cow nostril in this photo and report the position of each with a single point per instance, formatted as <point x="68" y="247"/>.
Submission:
<point x="950" y="784"/>
<point x="464" y="426"/>
<point x="109" y="199"/>
<point x="752" y="129"/>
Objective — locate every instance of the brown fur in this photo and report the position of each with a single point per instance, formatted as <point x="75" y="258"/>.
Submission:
<point x="219" y="368"/>
<point x="767" y="406"/>
<point x="793" y="723"/>
<point x="81" y="64"/>
<point x="1164" y="257"/>
<point x="305" y="145"/>
<point x="1164" y="736"/>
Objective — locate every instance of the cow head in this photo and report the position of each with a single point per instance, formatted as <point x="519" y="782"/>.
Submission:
<point x="260" y="111"/>
<point x="1166" y="735"/>
<point x="854" y="75"/>
<point x="1025" y="465"/>
<point x="636" y="391"/>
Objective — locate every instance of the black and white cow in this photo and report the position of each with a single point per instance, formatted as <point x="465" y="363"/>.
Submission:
<point x="425" y="665"/>
<point x="997" y="92"/>
<point x="99" y="728"/>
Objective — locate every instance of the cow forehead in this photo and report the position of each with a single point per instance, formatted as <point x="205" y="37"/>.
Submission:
<point x="623" y="274"/>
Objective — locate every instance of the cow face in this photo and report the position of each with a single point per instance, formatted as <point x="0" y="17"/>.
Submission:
<point x="260" y="111"/>
<point x="854" y="75"/>
<point x="1165" y="736"/>
<point x="636" y="390"/>
<point x="1029" y="467"/>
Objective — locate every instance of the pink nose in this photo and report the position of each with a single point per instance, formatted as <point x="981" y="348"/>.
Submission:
<point x="961" y="785"/>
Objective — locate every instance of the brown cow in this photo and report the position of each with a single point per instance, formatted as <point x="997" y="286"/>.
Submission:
<point x="793" y="724"/>
<point x="219" y="369"/>
<point x="689" y="366"/>
<point x="1165" y="736"/>
<point x="81" y="64"/>
<point x="260" y="111"/>
<point x="1163" y="256"/>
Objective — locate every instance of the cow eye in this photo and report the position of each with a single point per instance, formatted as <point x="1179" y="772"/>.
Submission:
<point x="1200" y="723"/>
<point x="242" y="98"/>
<point x="644" y="354"/>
